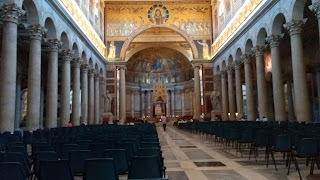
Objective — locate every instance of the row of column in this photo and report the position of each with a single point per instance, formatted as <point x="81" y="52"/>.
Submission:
<point x="8" y="74"/>
<point x="301" y="102"/>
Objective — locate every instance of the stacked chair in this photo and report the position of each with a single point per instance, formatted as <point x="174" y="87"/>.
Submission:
<point x="293" y="139"/>
<point x="94" y="152"/>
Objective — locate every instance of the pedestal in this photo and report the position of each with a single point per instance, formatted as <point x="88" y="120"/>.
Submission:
<point x="107" y="118"/>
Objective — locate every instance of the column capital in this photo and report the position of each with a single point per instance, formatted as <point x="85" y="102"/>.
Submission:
<point x="122" y="67"/>
<point x="91" y="73"/>
<point x="96" y="76"/>
<point x="237" y="64"/>
<point x="295" y="26"/>
<point x="53" y="44"/>
<point x="217" y="77"/>
<point x="196" y="65"/>
<point x="246" y="58"/>
<point x="315" y="7"/>
<point x="66" y="54"/>
<point x="77" y="62"/>
<point x="274" y="40"/>
<point x="223" y="74"/>
<point x="101" y="80"/>
<point x="84" y="68"/>
<point x="36" y="31"/>
<point x="258" y="50"/>
<point x="11" y="12"/>
<point x="229" y="69"/>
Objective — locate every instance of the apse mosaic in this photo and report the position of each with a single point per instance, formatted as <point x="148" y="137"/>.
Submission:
<point x="153" y="64"/>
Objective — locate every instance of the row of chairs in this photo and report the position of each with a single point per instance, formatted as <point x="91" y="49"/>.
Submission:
<point x="296" y="140"/>
<point x="130" y="147"/>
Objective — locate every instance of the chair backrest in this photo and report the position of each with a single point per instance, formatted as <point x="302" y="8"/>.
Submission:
<point x="307" y="147"/>
<point x="100" y="169"/>
<point x="11" y="171"/>
<point x="145" y="167"/>
<point x="262" y="138"/>
<point x="149" y="145"/>
<point x="282" y="143"/>
<point x="77" y="159"/>
<point x="43" y="156"/>
<point x="120" y="159"/>
<point x="55" y="169"/>
<point x="67" y="148"/>
<point x="19" y="158"/>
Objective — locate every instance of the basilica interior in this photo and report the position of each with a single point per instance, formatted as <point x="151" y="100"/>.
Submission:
<point x="205" y="80"/>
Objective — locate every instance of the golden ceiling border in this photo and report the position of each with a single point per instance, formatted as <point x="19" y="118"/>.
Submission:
<point x="235" y="23"/>
<point x="81" y="20"/>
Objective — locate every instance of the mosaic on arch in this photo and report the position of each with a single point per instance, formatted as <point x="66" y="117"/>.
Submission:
<point x="193" y="19"/>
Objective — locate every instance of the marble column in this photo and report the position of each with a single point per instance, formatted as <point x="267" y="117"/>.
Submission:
<point x="52" y="83"/>
<point x="65" y="87"/>
<point x="290" y="100"/>
<point x="301" y="100"/>
<point x="239" y="95"/>
<point x="197" y="95"/>
<point x="76" y="62"/>
<point x="261" y="81"/>
<point x="183" y="103"/>
<point x="96" y="98"/>
<point x="122" y="94"/>
<point x="84" y="93"/>
<point x="191" y="102"/>
<point x="168" y="104"/>
<point x="91" y="96"/>
<point x="10" y="14"/>
<point x="172" y="103"/>
<point x="231" y="97"/>
<point x="102" y="93"/>
<point x="132" y="103"/>
<point x="277" y="79"/>
<point x="224" y="95"/>
<point x="142" y="104"/>
<point x="18" y="116"/>
<point x="34" y="77"/>
<point x="247" y="59"/>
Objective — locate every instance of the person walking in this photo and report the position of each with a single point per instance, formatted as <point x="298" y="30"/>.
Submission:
<point x="164" y="122"/>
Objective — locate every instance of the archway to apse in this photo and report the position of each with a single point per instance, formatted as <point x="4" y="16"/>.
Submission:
<point x="163" y="67"/>
<point x="190" y="43"/>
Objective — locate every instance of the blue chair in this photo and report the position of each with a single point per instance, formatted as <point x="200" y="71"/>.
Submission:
<point x="120" y="159"/>
<point x="307" y="149"/>
<point x="54" y="170"/>
<point x="145" y="167"/>
<point x="77" y="159"/>
<point x="11" y="171"/>
<point x="100" y="169"/>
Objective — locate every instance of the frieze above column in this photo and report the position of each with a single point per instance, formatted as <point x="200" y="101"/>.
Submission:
<point x="11" y="12"/>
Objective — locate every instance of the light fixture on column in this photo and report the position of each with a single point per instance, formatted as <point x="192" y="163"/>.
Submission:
<point x="236" y="115"/>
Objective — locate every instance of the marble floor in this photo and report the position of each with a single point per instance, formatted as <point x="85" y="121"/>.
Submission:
<point x="188" y="157"/>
